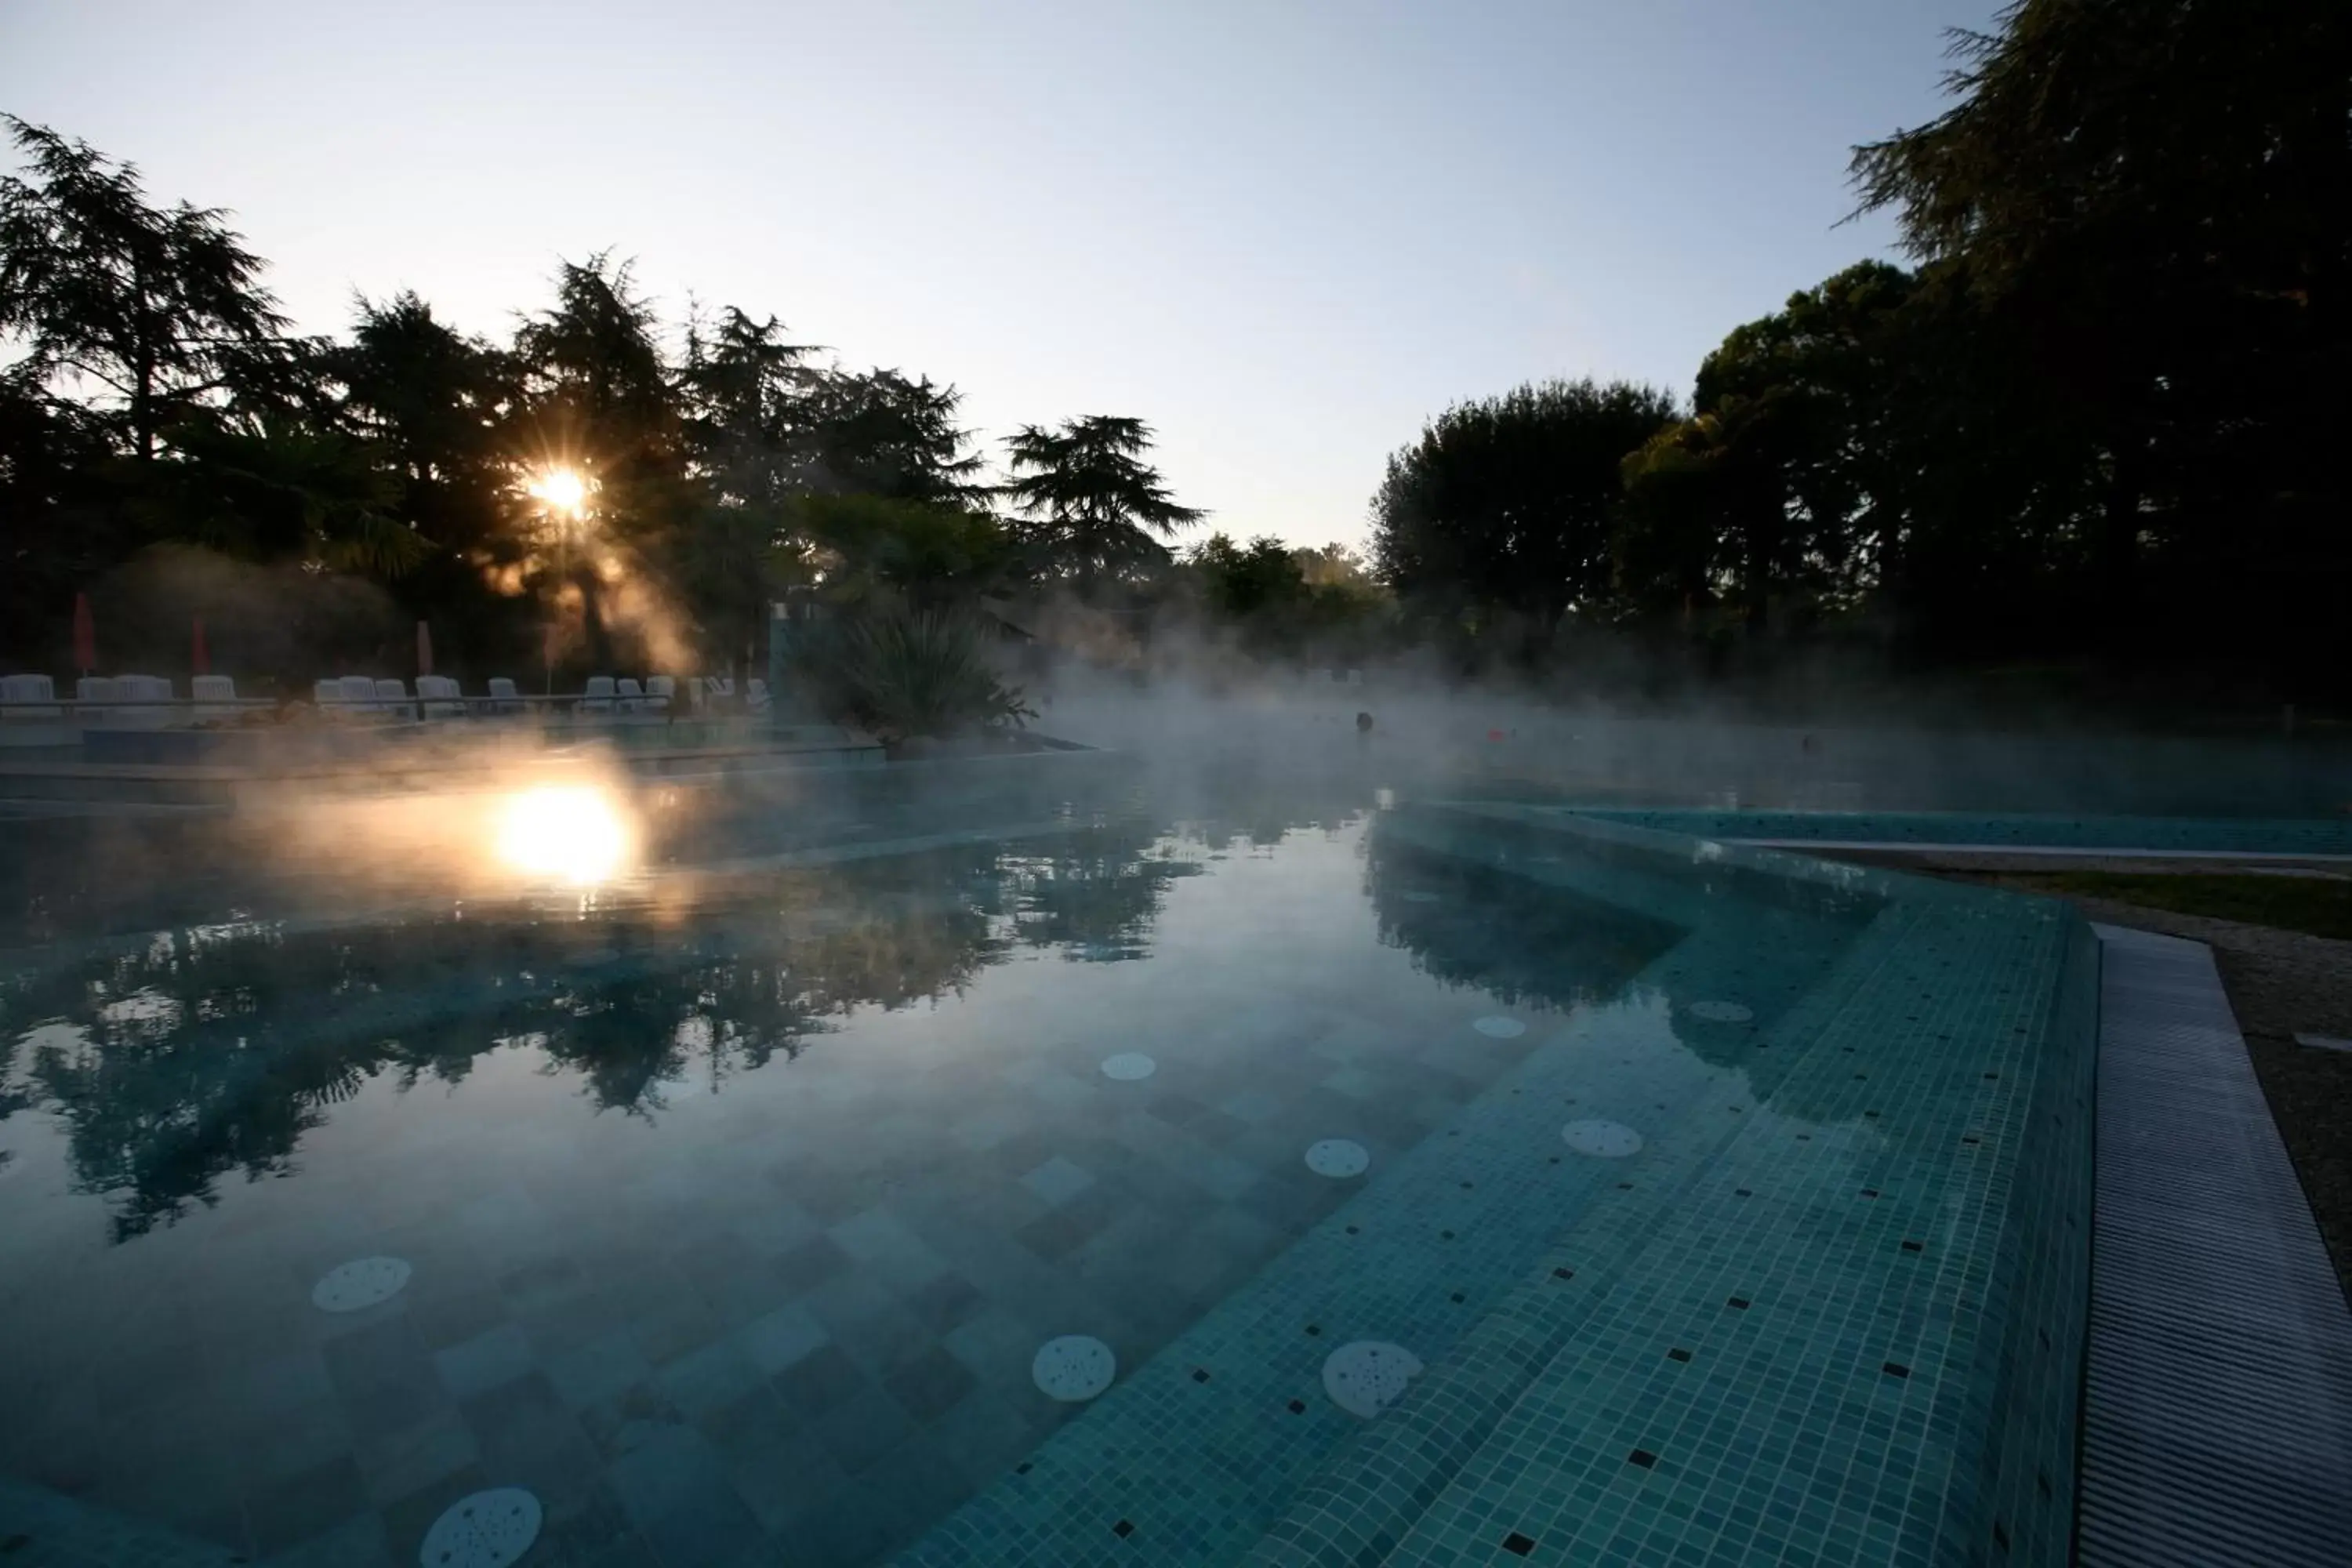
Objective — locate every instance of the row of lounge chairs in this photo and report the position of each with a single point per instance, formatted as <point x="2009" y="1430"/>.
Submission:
<point x="148" y="701"/>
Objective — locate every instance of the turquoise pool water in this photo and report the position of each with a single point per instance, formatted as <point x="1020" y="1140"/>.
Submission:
<point x="1729" y="1202"/>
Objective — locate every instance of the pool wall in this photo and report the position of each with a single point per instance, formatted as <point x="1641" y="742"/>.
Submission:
<point x="1834" y="1315"/>
<point x="2172" y="835"/>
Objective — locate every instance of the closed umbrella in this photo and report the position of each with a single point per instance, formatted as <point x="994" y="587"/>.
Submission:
<point x="424" y="648"/>
<point x="84" y="635"/>
<point x="200" y="658"/>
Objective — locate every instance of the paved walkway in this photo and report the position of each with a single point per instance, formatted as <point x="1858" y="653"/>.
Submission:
<point x="2218" y="1408"/>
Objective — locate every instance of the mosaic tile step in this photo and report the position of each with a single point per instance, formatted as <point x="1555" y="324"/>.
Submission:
<point x="1788" y="1152"/>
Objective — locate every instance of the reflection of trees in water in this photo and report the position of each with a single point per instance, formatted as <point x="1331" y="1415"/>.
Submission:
<point x="1526" y="943"/>
<point x="213" y="1051"/>
<point x="1094" y="891"/>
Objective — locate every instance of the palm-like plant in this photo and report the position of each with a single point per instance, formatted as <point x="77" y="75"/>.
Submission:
<point x="909" y="673"/>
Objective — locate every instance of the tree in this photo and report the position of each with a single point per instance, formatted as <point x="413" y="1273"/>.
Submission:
<point x="1090" y="508"/>
<point x="2148" y="194"/>
<point x="878" y="432"/>
<point x="1508" y="504"/>
<point x="143" y="312"/>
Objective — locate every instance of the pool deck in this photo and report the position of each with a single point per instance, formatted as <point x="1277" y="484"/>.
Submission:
<point x="2218" y="1401"/>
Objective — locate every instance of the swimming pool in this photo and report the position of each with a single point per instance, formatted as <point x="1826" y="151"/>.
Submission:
<point x="1729" y="1202"/>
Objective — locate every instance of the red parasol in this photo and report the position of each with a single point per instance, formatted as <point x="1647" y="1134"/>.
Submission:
<point x="84" y="635"/>
<point x="200" y="658"/>
<point x="424" y="648"/>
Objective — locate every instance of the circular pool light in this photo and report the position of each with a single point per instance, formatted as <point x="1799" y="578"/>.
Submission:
<point x="1128" y="1066"/>
<point x="487" y="1530"/>
<point x="1338" y="1158"/>
<point x="1720" y="1012"/>
<point x="361" y="1283"/>
<point x="1368" y="1376"/>
<point x="1601" y="1140"/>
<point x="1494" y="1027"/>
<point x="1074" y="1368"/>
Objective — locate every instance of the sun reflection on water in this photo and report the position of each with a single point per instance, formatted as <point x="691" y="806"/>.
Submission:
<point x="569" y="833"/>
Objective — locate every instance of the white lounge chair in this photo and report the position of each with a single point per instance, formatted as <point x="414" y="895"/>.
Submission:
<point x="719" y="689"/>
<point x="146" y="701"/>
<point x="438" y="696"/>
<point x="28" y="697"/>
<point x="755" y="696"/>
<point x="93" y="699"/>
<point x="661" y="694"/>
<point x="598" y="697"/>
<point x="504" y="697"/>
<point x="630" y="696"/>
<point x="216" y="697"/>
<point x="392" y="696"/>
<point x="327" y="692"/>
<point x="358" y="692"/>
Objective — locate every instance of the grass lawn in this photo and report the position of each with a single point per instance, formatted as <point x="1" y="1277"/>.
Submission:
<point x="2317" y="905"/>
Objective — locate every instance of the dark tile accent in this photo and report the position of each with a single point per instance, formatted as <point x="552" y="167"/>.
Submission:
<point x="1200" y="1374"/>
<point x="1314" y="1330"/>
<point x="818" y="1382"/>
<point x="1742" y="1191"/>
<point x="1642" y="1457"/>
<point x="1870" y="1192"/>
<point x="452" y="1320"/>
<point x="1678" y="1353"/>
<point x="1055" y="1236"/>
<point x="306" y="1505"/>
<point x="1122" y="1530"/>
<point x="864" y="1427"/>
<point x="1459" y="1298"/>
<point x="811" y="1263"/>
<point x="1910" y="1247"/>
<point x="1518" y="1545"/>
<point x="1895" y="1369"/>
<point x="929" y="1385"/>
<point x="1563" y="1273"/>
<point x="944" y="1303"/>
<point x="1298" y="1407"/>
<point x="1739" y="1302"/>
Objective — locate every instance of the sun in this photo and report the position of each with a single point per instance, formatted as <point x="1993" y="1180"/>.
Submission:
<point x="562" y="490"/>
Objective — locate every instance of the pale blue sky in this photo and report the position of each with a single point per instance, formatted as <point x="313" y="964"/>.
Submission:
<point x="1283" y="234"/>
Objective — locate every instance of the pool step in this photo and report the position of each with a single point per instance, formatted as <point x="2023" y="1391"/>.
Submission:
<point x="1782" y="1371"/>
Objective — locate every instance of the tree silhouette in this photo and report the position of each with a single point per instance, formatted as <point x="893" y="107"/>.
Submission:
<point x="1090" y="507"/>
<point x="156" y="311"/>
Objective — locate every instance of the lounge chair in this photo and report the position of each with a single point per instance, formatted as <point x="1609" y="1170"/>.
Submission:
<point x="504" y="697"/>
<point x="631" y="697"/>
<point x="755" y="696"/>
<point x="28" y="697"/>
<point x="661" y="694"/>
<point x="392" y="696"/>
<point x="598" y="697"/>
<point x="438" y="698"/>
<point x="358" y="692"/>
<point x="146" y="699"/>
<point x="93" y="697"/>
<point x="216" y="697"/>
